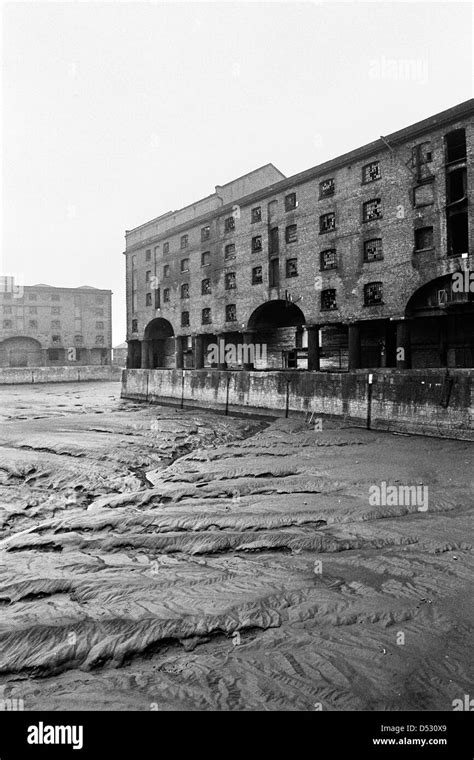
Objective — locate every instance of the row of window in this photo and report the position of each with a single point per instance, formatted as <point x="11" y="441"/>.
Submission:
<point x="55" y="324"/>
<point x="54" y="310"/>
<point x="8" y="325"/>
<point x="55" y="297"/>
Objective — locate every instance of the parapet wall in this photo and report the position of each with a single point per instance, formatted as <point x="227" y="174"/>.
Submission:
<point x="22" y="375"/>
<point x="427" y="402"/>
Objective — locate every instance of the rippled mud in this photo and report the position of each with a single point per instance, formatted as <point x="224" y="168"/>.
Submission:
<point x="154" y="558"/>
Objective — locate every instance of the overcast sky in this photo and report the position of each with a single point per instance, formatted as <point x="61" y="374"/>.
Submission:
<point x="114" y="113"/>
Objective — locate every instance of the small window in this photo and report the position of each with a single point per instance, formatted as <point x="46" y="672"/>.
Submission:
<point x="184" y="241"/>
<point x="185" y="265"/>
<point x="455" y="143"/>
<point x="55" y="310"/>
<point x="148" y="299"/>
<point x="148" y="255"/>
<point x="99" y="312"/>
<point x="257" y="276"/>
<point x="373" y="250"/>
<point x="166" y="295"/>
<point x="99" y="339"/>
<point x="256" y="243"/>
<point x="55" y="298"/>
<point x="230" y="281"/>
<point x="421" y="153"/>
<point x="205" y="232"/>
<point x="372" y="210"/>
<point x="229" y="251"/>
<point x="205" y="287"/>
<point x="32" y="297"/>
<point x="7" y="310"/>
<point x="99" y="299"/>
<point x="134" y="325"/>
<point x="206" y="316"/>
<point x="326" y="188"/>
<point x="185" y="319"/>
<point x="185" y="290"/>
<point x="373" y="293"/>
<point x="166" y="247"/>
<point x="291" y="233"/>
<point x="157" y="292"/>
<point x="328" y="299"/>
<point x="328" y="259"/>
<point x="56" y="339"/>
<point x="33" y="324"/>
<point x="56" y="324"/>
<point x="327" y="222"/>
<point x="423" y="238"/>
<point x="292" y="267"/>
<point x="53" y="354"/>
<point x="231" y="313"/>
<point x="371" y="172"/>
<point x="290" y="202"/>
<point x="78" y="339"/>
<point x="33" y="310"/>
<point x="7" y="324"/>
<point x="423" y="195"/>
<point x="205" y="258"/>
<point x="147" y="275"/>
<point x="166" y="270"/>
<point x="256" y="215"/>
<point x="229" y="224"/>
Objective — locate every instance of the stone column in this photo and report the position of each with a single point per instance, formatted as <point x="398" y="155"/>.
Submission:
<point x="145" y="363"/>
<point x="354" y="346"/>
<point x="403" y="345"/>
<point x="179" y="348"/>
<point x="199" y="352"/>
<point x="313" y="347"/>
<point x="248" y="351"/>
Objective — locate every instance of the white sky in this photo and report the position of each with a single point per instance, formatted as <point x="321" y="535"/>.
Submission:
<point x="114" y="113"/>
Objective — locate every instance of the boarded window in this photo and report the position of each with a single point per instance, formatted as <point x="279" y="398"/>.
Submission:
<point x="291" y="233"/>
<point x="328" y="259"/>
<point x="373" y="250"/>
<point x="326" y="188"/>
<point x="292" y="267"/>
<point x="229" y="224"/>
<point x="290" y="202"/>
<point x="256" y="214"/>
<point x="206" y="316"/>
<point x="328" y="299"/>
<point x="166" y="295"/>
<point x="231" y="313"/>
<point x="230" y="281"/>
<point x="229" y="251"/>
<point x="327" y="222"/>
<point x="257" y="276"/>
<point x="256" y="243"/>
<point x="372" y="210"/>
<point x="423" y="238"/>
<point x="185" y="290"/>
<point x="371" y="172"/>
<point x="373" y="293"/>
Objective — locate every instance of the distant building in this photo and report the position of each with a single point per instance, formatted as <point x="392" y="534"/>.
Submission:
<point x="366" y="260"/>
<point x="119" y="355"/>
<point x="41" y="325"/>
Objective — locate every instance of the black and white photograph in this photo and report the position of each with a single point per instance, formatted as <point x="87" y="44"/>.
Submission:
<point x="236" y="371"/>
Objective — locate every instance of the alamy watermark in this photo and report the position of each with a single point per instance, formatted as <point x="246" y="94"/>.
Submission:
<point x="399" y="69"/>
<point x="384" y="495"/>
<point x="243" y="353"/>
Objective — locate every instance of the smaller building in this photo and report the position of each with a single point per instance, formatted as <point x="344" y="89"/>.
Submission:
<point x="42" y="326"/>
<point x="119" y="355"/>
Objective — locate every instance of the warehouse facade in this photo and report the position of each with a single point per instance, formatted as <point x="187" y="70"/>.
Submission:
<point x="363" y="261"/>
<point x="43" y="326"/>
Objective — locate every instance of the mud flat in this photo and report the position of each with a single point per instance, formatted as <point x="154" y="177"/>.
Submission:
<point x="154" y="558"/>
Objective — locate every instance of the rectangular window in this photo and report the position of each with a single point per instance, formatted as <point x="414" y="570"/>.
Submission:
<point x="229" y="251"/>
<point x="256" y="215"/>
<point x="99" y="339"/>
<point x="373" y="293"/>
<point x="423" y="238"/>
<point x="185" y="319"/>
<point x="229" y="224"/>
<point x="54" y="310"/>
<point x="99" y="312"/>
<point x="373" y="250"/>
<point x="147" y="275"/>
<point x="455" y="145"/>
<point x="78" y="339"/>
<point x="32" y="297"/>
<point x="327" y="222"/>
<point x="8" y="310"/>
<point x="205" y="258"/>
<point x="326" y="188"/>
<point x="55" y="298"/>
<point x="205" y="287"/>
<point x="185" y="265"/>
<point x="274" y="242"/>
<point x="423" y="195"/>
<point x="372" y="210"/>
<point x="256" y="243"/>
<point x="328" y="299"/>
<point x="148" y="255"/>
<point x="53" y="354"/>
<point x="33" y="324"/>
<point x="166" y="247"/>
<point x="185" y="290"/>
<point x="56" y="324"/>
<point x="231" y="313"/>
<point x="421" y="153"/>
<point x="134" y="325"/>
<point x="184" y="241"/>
<point x="56" y="339"/>
<point x="157" y="292"/>
<point x="328" y="259"/>
<point x="166" y="270"/>
<point x="205" y="232"/>
<point x="206" y="316"/>
<point x="99" y="325"/>
<point x="33" y="310"/>
<point x="230" y="281"/>
<point x="274" y="273"/>
<point x="291" y="233"/>
<point x="290" y="202"/>
<point x="148" y="299"/>
<point x="166" y="295"/>
<point x="292" y="267"/>
<point x="257" y="276"/>
<point x="7" y="324"/>
<point x="371" y="172"/>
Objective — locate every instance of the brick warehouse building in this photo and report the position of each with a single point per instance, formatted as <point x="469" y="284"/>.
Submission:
<point x="47" y="326"/>
<point x="348" y="264"/>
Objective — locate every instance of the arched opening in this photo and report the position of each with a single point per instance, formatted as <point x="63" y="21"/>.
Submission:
<point x="158" y="347"/>
<point x="277" y="335"/>
<point x="441" y="315"/>
<point x="21" y="352"/>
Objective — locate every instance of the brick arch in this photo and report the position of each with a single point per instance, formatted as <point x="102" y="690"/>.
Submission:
<point x="21" y="351"/>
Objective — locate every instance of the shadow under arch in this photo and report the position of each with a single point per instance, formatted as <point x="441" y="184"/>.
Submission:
<point x="277" y="329"/>
<point x="159" y="344"/>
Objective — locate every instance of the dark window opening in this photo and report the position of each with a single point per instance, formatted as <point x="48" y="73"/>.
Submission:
<point x="371" y="172"/>
<point x="166" y="270"/>
<point x="205" y="287"/>
<point x="147" y="275"/>
<point x="291" y="233"/>
<point x="230" y="281"/>
<point x="456" y="185"/>
<point x="257" y="276"/>
<point x="256" y="243"/>
<point x="184" y="241"/>
<point x="148" y="299"/>
<point x="185" y="290"/>
<point x="148" y="255"/>
<point x="274" y="242"/>
<point x="166" y="295"/>
<point x="229" y="224"/>
<point x="455" y="143"/>
<point x="326" y="188"/>
<point x="372" y="210"/>
<point x="292" y="267"/>
<point x="53" y="354"/>
<point x="229" y="251"/>
<point x="205" y="258"/>
<point x="274" y="273"/>
<point x="423" y="238"/>
<point x="256" y="214"/>
<point x="327" y="222"/>
<point x="373" y="250"/>
<point x="458" y="233"/>
<point x="373" y="293"/>
<point x="231" y="313"/>
<point x="290" y="202"/>
<point x="185" y="265"/>
<point x="206" y="316"/>
<point x="134" y="325"/>
<point x="56" y="339"/>
<point x="157" y="298"/>
<point x="185" y="319"/>
<point x="166" y="247"/>
<point x="205" y="232"/>
<point x="328" y="259"/>
<point x="328" y="299"/>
